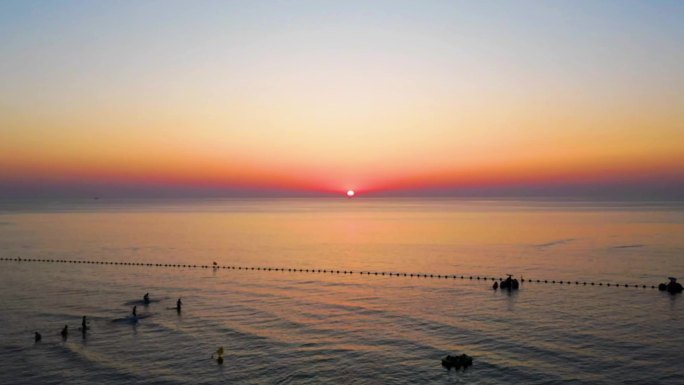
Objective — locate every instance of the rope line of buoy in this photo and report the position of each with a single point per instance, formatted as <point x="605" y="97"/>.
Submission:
<point x="325" y="271"/>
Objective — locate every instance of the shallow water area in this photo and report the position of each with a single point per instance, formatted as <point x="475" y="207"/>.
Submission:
<point x="298" y="327"/>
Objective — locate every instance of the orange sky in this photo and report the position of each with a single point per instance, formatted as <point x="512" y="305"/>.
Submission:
<point x="347" y="97"/>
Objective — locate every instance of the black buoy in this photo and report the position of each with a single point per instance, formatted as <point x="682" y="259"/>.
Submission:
<point x="37" y="337"/>
<point x="65" y="331"/>
<point x="495" y="285"/>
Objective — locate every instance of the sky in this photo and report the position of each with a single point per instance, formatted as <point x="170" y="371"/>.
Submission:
<point x="484" y="98"/>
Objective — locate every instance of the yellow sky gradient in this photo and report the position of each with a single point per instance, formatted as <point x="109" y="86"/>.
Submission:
<point x="377" y="105"/>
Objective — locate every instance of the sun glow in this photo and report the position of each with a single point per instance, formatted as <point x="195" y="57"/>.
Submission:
<point x="348" y="106"/>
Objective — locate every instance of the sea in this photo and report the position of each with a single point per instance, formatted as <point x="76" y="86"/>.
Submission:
<point x="340" y="291"/>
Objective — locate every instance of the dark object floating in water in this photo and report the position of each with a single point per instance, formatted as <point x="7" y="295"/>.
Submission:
<point x="510" y="283"/>
<point x="673" y="287"/>
<point x="219" y="355"/>
<point x="65" y="332"/>
<point x="457" y="362"/>
<point x="495" y="285"/>
<point x="37" y="337"/>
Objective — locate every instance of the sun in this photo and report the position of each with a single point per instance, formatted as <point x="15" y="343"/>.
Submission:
<point x="350" y="193"/>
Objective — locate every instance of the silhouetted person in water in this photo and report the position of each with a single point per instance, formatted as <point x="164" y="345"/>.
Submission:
<point x="84" y="326"/>
<point x="37" y="337"/>
<point x="65" y="331"/>
<point x="179" y="303"/>
<point x="146" y="298"/>
<point x="134" y="311"/>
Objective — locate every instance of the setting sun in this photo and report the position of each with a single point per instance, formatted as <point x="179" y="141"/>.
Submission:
<point x="205" y="147"/>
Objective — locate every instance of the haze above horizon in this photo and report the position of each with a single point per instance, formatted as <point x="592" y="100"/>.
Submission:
<point x="385" y="98"/>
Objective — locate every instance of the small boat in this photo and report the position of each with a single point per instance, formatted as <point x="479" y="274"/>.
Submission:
<point x="510" y="283"/>
<point x="673" y="287"/>
<point x="457" y="362"/>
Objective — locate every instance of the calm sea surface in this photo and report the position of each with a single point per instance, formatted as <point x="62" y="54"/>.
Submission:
<point x="311" y="328"/>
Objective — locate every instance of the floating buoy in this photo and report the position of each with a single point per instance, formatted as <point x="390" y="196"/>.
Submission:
<point x="219" y="355"/>
<point x="673" y="287"/>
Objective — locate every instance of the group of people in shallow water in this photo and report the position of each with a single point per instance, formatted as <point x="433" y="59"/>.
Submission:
<point x="65" y="330"/>
<point x="84" y="324"/>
